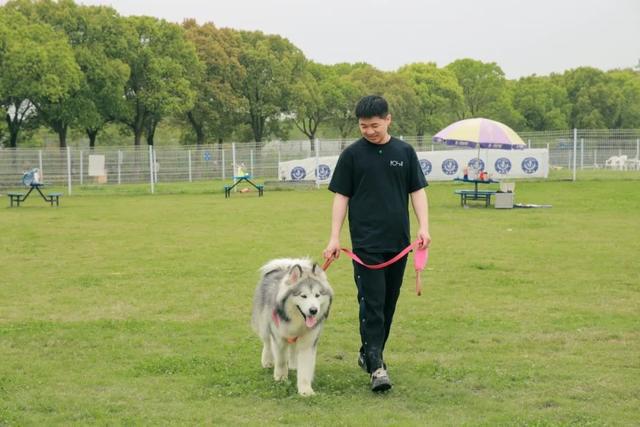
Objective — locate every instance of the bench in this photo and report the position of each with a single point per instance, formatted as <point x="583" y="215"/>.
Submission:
<point x="16" y="197"/>
<point x="466" y="195"/>
<point x="54" y="197"/>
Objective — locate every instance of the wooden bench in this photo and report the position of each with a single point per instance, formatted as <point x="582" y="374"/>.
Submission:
<point x="54" y="197"/>
<point x="16" y="197"/>
<point x="466" y="195"/>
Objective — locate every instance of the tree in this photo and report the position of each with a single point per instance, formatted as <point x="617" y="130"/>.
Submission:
<point x="348" y="90"/>
<point x="483" y="86"/>
<point x="437" y="93"/>
<point x="313" y="99"/>
<point x="37" y="66"/>
<point x="542" y="103"/>
<point x="628" y="83"/>
<point x="217" y="105"/>
<point x="161" y="61"/>
<point x="271" y="66"/>
<point x="596" y="99"/>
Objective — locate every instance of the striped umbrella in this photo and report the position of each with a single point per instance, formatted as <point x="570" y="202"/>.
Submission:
<point x="480" y="133"/>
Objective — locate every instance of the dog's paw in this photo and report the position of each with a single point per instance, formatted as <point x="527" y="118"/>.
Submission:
<point x="306" y="391"/>
<point x="267" y="364"/>
<point x="280" y="376"/>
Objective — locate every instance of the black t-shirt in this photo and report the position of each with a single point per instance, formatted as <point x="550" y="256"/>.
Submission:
<point x="378" y="179"/>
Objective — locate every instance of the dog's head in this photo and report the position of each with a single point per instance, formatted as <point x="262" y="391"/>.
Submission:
<point x="306" y="292"/>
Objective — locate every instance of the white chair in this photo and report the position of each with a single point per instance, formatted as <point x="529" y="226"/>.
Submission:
<point x="611" y="162"/>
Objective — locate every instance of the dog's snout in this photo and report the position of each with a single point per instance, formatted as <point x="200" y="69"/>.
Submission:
<point x="313" y="311"/>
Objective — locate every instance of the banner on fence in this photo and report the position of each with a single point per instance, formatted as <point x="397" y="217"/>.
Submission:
<point x="437" y="165"/>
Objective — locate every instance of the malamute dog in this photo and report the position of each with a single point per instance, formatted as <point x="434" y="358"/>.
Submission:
<point x="291" y="302"/>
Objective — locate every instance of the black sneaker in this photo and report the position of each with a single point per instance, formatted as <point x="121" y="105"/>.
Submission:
<point x="380" y="381"/>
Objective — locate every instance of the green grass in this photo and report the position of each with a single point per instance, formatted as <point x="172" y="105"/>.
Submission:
<point x="130" y="309"/>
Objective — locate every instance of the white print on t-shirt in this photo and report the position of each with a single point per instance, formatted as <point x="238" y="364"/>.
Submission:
<point x="395" y="163"/>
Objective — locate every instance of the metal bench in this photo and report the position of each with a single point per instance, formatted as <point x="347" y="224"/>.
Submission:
<point x="466" y="195"/>
<point x="54" y="197"/>
<point x="16" y="197"/>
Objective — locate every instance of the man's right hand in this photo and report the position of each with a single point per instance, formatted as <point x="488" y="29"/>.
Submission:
<point x="333" y="250"/>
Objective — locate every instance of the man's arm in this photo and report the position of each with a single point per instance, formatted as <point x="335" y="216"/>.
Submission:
<point x="421" y="209"/>
<point x="338" y="214"/>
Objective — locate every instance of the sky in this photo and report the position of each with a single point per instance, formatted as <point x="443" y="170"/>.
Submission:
<point x="523" y="37"/>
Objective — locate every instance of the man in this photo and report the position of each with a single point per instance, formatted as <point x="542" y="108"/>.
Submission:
<point x="374" y="179"/>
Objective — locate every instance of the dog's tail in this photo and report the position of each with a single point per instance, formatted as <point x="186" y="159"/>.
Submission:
<point x="284" y="264"/>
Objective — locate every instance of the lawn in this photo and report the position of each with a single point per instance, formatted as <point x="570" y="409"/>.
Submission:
<point x="125" y="308"/>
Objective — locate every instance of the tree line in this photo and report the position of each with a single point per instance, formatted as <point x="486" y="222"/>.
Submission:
<point x="67" y="66"/>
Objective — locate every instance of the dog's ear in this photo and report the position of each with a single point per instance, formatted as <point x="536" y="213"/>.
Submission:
<point x="317" y="270"/>
<point x="294" y="275"/>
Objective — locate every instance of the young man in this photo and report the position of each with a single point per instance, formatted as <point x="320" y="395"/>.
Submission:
<point x="373" y="180"/>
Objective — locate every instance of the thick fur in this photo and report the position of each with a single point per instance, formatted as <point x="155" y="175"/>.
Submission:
<point x="291" y="303"/>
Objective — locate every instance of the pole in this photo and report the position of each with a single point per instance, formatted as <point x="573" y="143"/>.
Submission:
<point x="189" y="159"/>
<point x="278" y="171"/>
<point x="151" y="169"/>
<point x="119" y="166"/>
<point x="581" y="153"/>
<point x="251" y="154"/>
<point x="40" y="164"/>
<point x="224" y="176"/>
<point x="575" y="151"/>
<point x="316" y="146"/>
<point x="81" y="168"/>
<point x="233" y="162"/>
<point x="69" y="169"/>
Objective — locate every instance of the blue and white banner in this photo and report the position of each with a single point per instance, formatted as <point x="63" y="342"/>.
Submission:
<point x="438" y="165"/>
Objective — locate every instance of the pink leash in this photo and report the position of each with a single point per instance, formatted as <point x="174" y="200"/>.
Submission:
<point x="420" y="258"/>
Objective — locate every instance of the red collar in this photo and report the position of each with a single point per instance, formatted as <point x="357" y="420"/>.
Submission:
<point x="276" y="320"/>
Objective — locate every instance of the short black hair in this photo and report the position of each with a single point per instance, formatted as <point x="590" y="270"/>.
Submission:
<point x="372" y="106"/>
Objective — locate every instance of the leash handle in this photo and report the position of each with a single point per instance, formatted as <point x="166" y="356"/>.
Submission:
<point x="420" y="261"/>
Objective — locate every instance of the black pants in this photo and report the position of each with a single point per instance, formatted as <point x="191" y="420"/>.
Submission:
<point x="378" y="292"/>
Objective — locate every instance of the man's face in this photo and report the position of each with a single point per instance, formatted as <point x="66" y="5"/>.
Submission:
<point x="375" y="129"/>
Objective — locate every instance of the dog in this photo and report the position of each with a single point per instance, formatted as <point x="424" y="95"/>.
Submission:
<point x="291" y="303"/>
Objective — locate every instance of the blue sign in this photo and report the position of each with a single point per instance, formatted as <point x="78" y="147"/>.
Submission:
<point x="476" y="164"/>
<point x="207" y="155"/>
<point x="530" y="165"/>
<point x="503" y="165"/>
<point x="323" y="172"/>
<point x="426" y="166"/>
<point x="298" y="173"/>
<point x="450" y="167"/>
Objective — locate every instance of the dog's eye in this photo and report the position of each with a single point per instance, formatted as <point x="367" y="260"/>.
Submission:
<point x="303" y="296"/>
<point x="317" y="295"/>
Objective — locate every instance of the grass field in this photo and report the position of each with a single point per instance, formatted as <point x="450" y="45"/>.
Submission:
<point x="130" y="309"/>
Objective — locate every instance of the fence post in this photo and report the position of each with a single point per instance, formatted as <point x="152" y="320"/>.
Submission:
<point x="224" y="176"/>
<point x="151" y="169"/>
<point x="81" y="169"/>
<point x="278" y="171"/>
<point x="69" y="169"/>
<point x="251" y="154"/>
<point x="581" y="153"/>
<point x="233" y="162"/>
<point x="575" y="151"/>
<point x="119" y="165"/>
<point x="189" y="159"/>
<point x="40" y="164"/>
<point x="317" y="147"/>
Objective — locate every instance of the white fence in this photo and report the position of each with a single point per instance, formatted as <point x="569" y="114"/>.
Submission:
<point x="570" y="149"/>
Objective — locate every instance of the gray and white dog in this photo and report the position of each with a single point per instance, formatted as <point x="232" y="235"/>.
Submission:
<point x="291" y="303"/>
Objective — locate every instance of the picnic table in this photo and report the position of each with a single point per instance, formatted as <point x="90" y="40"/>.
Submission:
<point x="17" y="197"/>
<point x="475" y="194"/>
<point x="238" y="180"/>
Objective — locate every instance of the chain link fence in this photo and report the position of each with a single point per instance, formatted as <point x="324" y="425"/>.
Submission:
<point x="580" y="148"/>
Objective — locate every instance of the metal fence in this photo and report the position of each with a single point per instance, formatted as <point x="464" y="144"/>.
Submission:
<point x="571" y="149"/>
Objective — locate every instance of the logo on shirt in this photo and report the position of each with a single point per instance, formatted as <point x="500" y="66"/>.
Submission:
<point x="396" y="163"/>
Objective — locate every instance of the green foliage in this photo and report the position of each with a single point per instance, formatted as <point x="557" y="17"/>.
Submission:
<point x="543" y="103"/>
<point x="131" y="309"/>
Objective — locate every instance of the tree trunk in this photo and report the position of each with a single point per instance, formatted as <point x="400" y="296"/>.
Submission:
<point x="197" y="128"/>
<point x="14" y="129"/>
<point x="92" y="134"/>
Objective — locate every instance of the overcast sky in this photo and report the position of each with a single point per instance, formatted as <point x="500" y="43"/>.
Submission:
<point x="523" y="37"/>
